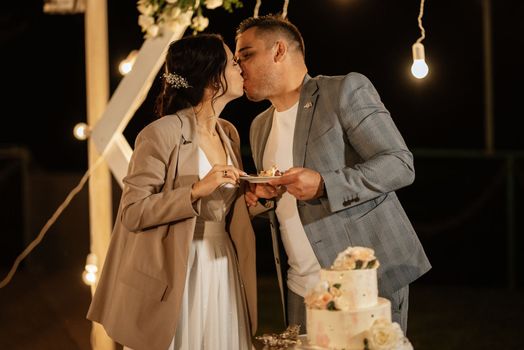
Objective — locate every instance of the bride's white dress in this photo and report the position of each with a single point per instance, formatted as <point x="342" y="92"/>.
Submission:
<point x="214" y="312"/>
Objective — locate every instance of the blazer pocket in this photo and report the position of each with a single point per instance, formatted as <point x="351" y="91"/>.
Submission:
<point x="370" y="206"/>
<point x="146" y="284"/>
<point x="322" y="133"/>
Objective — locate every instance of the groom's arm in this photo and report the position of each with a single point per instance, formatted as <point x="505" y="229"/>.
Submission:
<point x="387" y="162"/>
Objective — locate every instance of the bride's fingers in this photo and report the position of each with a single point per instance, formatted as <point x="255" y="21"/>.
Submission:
<point x="222" y="171"/>
<point x="232" y="172"/>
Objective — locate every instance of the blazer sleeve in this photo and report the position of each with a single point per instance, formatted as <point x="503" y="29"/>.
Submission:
<point x="145" y="202"/>
<point x="387" y="164"/>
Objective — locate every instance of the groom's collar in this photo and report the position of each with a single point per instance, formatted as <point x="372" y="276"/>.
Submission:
<point x="309" y="86"/>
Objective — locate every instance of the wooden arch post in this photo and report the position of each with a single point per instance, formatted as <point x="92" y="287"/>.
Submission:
<point x="97" y="90"/>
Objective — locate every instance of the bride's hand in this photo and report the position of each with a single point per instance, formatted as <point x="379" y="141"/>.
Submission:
<point x="218" y="175"/>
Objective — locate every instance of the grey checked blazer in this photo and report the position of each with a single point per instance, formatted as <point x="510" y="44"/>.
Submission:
<point x="344" y="132"/>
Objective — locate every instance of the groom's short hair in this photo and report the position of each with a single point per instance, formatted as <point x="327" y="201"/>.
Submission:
<point x="274" y="24"/>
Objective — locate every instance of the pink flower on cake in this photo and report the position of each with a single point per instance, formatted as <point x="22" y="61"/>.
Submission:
<point x="324" y="297"/>
<point x="385" y="335"/>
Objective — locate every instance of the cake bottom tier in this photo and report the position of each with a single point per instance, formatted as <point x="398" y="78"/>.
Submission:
<point x="344" y="329"/>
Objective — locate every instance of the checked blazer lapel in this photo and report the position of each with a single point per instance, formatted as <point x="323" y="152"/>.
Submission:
<point x="306" y="107"/>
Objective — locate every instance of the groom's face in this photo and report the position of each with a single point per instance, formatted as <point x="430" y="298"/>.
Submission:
<point x="255" y="57"/>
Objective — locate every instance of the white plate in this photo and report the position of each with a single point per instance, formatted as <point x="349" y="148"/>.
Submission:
<point x="258" y="179"/>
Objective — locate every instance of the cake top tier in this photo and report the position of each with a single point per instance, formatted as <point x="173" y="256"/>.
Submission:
<point x="356" y="258"/>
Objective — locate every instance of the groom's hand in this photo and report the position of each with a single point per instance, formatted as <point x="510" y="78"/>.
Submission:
<point x="304" y="184"/>
<point x="257" y="191"/>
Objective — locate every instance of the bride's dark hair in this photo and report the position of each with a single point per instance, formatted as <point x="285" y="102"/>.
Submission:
<point x="201" y="60"/>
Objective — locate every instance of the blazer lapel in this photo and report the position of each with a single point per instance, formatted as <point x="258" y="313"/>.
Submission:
<point x="187" y="167"/>
<point x="227" y="145"/>
<point x="262" y="135"/>
<point x="306" y="107"/>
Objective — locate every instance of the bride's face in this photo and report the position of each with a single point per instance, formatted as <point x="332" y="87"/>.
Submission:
<point x="233" y="74"/>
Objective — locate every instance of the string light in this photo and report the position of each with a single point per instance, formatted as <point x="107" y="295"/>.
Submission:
<point x="257" y="7"/>
<point x="90" y="274"/>
<point x="50" y="223"/>
<point x="81" y="131"/>
<point x="284" y="8"/>
<point x="419" y="68"/>
<point x="127" y="64"/>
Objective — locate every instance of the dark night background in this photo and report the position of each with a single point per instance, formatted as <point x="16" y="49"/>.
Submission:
<point x="44" y="78"/>
<point x="465" y="205"/>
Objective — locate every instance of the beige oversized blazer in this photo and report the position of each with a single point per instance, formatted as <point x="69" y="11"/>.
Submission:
<point x="139" y="293"/>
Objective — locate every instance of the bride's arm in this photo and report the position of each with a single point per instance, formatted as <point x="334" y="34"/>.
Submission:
<point x="145" y="202"/>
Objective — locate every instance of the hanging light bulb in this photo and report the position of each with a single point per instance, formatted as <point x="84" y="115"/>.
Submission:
<point x="419" y="68"/>
<point x="127" y="64"/>
<point x="81" y="131"/>
<point x="90" y="274"/>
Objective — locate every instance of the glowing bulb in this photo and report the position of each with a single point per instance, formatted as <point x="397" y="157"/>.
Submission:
<point x="127" y="64"/>
<point x="90" y="274"/>
<point x="89" y="278"/>
<point x="419" y="69"/>
<point x="81" y="131"/>
<point x="125" y="67"/>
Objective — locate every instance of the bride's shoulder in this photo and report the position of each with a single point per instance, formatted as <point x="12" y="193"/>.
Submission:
<point x="166" y="128"/>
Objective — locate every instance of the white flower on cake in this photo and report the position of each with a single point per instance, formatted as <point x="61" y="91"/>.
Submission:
<point x="355" y="258"/>
<point x="385" y="335"/>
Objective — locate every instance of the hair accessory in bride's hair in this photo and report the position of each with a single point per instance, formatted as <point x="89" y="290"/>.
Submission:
<point x="176" y="81"/>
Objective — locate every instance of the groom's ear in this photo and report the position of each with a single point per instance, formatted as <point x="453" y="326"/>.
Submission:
<point x="280" y="50"/>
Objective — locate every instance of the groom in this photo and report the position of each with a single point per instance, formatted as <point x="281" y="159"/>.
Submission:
<point x="343" y="159"/>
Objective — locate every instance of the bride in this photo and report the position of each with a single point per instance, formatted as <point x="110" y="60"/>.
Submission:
<point x="180" y="269"/>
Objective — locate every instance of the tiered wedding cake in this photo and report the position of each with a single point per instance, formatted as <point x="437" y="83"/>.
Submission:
<point x="344" y="310"/>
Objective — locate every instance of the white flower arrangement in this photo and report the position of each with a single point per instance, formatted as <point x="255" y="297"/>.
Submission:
<point x="356" y="258"/>
<point x="385" y="335"/>
<point x="158" y="15"/>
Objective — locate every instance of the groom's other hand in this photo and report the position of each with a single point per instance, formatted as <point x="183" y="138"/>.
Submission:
<point x="257" y="191"/>
<point x="304" y="184"/>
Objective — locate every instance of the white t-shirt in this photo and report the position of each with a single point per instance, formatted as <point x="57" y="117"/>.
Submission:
<point x="304" y="266"/>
